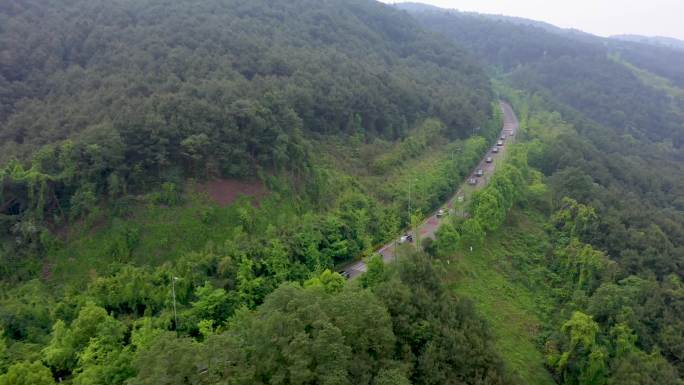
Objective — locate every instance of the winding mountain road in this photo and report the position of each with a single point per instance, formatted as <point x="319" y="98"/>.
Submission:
<point x="428" y="228"/>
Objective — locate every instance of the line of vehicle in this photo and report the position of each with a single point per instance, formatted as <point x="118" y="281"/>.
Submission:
<point x="430" y="225"/>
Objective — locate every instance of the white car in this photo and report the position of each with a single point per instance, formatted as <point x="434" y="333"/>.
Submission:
<point x="441" y="213"/>
<point x="406" y="238"/>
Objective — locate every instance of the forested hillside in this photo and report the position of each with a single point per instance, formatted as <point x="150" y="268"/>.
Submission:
<point x="144" y="58"/>
<point x="119" y="266"/>
<point x="578" y="69"/>
<point x="105" y="99"/>
<point x="147" y="91"/>
<point x="129" y="128"/>
<point x="604" y="122"/>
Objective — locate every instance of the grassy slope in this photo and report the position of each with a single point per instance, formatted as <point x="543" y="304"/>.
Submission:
<point x="513" y="309"/>
<point x="390" y="187"/>
<point x="162" y="233"/>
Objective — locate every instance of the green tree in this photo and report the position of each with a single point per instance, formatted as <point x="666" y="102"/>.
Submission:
<point x="211" y="304"/>
<point x="375" y="271"/>
<point x="472" y="234"/>
<point x="102" y="363"/>
<point x="145" y="332"/>
<point x="290" y="341"/>
<point x="93" y="324"/>
<point x="585" y="361"/>
<point x="583" y="265"/>
<point x="331" y="282"/>
<point x="195" y="148"/>
<point x="488" y="207"/>
<point x="639" y="368"/>
<point x="447" y="240"/>
<point x="27" y="373"/>
<point x="4" y="356"/>
<point x="168" y="360"/>
<point x="60" y="353"/>
<point x="276" y="258"/>
<point x="83" y="201"/>
<point x="576" y="220"/>
<point x="251" y="289"/>
<point x="391" y="377"/>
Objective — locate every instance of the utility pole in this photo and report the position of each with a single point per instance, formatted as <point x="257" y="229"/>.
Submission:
<point x="175" y="315"/>
<point x="409" y="200"/>
<point x="416" y="230"/>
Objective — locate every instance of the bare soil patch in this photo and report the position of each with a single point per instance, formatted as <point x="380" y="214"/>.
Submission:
<point x="225" y="191"/>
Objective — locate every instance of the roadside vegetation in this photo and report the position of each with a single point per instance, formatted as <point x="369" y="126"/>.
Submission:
<point x="603" y="124"/>
<point x="542" y="278"/>
<point x="121" y="261"/>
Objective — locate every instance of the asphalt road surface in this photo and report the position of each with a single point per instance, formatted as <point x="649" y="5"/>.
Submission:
<point x="428" y="228"/>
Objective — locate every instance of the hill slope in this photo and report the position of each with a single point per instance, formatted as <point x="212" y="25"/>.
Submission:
<point x="577" y="69"/>
<point x="605" y="123"/>
<point x="126" y="95"/>
<point x="116" y="268"/>
<point x="125" y="63"/>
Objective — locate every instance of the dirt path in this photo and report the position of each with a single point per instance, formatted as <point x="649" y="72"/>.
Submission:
<point x="428" y="228"/>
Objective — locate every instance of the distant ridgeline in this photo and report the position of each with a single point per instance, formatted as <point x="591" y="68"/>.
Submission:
<point x="575" y="68"/>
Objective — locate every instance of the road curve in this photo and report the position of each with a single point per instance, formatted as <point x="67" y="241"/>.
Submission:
<point x="428" y="227"/>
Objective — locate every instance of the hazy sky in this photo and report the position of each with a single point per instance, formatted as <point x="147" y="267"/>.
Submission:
<point x="600" y="17"/>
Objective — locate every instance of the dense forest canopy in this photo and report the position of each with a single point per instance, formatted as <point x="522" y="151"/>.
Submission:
<point x="115" y="267"/>
<point x="103" y="99"/>
<point x="124" y="63"/>
<point x="354" y="120"/>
